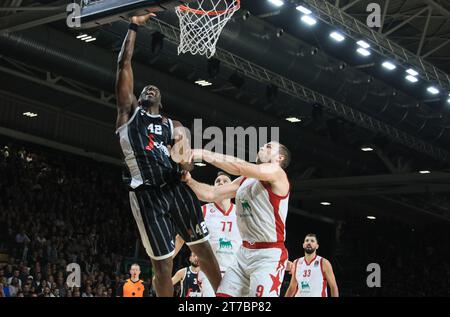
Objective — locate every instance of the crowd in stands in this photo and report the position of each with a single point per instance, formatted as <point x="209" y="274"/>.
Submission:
<point x="54" y="210"/>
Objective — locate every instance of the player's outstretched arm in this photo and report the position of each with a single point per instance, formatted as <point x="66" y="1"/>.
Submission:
<point x="126" y="101"/>
<point x="264" y="172"/>
<point x="208" y="193"/>
<point x="178" y="276"/>
<point x="331" y="279"/>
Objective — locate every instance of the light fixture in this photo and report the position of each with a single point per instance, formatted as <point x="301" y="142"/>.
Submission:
<point x="425" y="172"/>
<point x="448" y="100"/>
<point x="277" y="3"/>
<point x="389" y="65"/>
<point x="366" y="149"/>
<point x="337" y="36"/>
<point x="371" y="217"/>
<point x="412" y="72"/>
<point x="412" y="79"/>
<point x="30" y="114"/>
<point x="91" y="40"/>
<point x="433" y="90"/>
<point x="304" y="10"/>
<point x="363" y="51"/>
<point x="309" y="20"/>
<point x="203" y="83"/>
<point x="200" y="164"/>
<point x="325" y="203"/>
<point x="293" y="119"/>
<point x="82" y="36"/>
<point x="363" y="44"/>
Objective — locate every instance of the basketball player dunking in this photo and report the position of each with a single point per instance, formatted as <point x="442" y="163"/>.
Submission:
<point x="221" y="220"/>
<point x="162" y="205"/>
<point x="311" y="273"/>
<point x="262" y="194"/>
<point x="188" y="277"/>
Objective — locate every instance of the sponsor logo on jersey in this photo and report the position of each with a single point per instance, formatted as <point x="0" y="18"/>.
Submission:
<point x="245" y="205"/>
<point x="224" y="243"/>
<point x="305" y="285"/>
<point x="162" y="147"/>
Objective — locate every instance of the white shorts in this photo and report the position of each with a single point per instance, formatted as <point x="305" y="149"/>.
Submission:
<point x="256" y="273"/>
<point x="205" y="285"/>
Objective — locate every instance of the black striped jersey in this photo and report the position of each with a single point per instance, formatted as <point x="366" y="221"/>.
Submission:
<point x="189" y="285"/>
<point x="144" y="140"/>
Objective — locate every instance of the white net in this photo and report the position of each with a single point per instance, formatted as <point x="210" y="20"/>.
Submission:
<point x="201" y="24"/>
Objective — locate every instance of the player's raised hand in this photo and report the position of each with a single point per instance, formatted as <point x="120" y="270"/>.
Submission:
<point x="142" y="19"/>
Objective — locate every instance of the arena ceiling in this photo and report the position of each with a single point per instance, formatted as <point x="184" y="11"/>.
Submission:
<point x="45" y="69"/>
<point x="420" y="26"/>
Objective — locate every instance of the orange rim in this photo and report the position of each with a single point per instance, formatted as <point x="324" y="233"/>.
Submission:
<point x="201" y="12"/>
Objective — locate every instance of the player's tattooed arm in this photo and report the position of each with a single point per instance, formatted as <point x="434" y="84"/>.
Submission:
<point x="208" y="193"/>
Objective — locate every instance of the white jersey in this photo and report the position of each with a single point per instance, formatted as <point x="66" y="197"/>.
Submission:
<point x="310" y="278"/>
<point x="224" y="233"/>
<point x="262" y="214"/>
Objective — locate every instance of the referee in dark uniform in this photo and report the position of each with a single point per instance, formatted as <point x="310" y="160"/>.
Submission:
<point x="161" y="204"/>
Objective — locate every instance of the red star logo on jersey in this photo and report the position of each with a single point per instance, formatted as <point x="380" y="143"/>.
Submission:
<point x="276" y="283"/>
<point x="151" y="142"/>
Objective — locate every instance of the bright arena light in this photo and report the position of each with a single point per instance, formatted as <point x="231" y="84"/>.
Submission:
<point x="325" y="203"/>
<point x="337" y="36"/>
<point x="293" y="119"/>
<point x="203" y="83"/>
<point x="309" y="20"/>
<point x="412" y="72"/>
<point x="363" y="51"/>
<point x="433" y="90"/>
<point x="304" y="10"/>
<point x="389" y="66"/>
<point x="30" y="114"/>
<point x="412" y="79"/>
<point x="363" y="44"/>
<point x="277" y="3"/>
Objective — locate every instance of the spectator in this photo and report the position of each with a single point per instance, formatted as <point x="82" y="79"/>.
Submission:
<point x="87" y="292"/>
<point x="14" y="287"/>
<point x="16" y="275"/>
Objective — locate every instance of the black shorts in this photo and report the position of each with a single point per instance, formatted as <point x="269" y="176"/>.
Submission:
<point x="162" y="212"/>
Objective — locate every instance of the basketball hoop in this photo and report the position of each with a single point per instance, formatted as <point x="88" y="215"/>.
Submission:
<point x="201" y="24"/>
